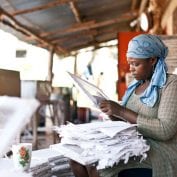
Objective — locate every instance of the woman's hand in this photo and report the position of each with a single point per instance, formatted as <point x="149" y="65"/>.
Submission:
<point x="110" y="108"/>
<point x="116" y="112"/>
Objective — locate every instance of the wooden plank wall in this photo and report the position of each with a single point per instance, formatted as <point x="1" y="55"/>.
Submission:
<point x="9" y="83"/>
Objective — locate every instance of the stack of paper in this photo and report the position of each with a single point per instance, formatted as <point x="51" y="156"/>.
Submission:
<point x="41" y="170"/>
<point x="40" y="166"/>
<point x="102" y="143"/>
<point x="60" y="166"/>
<point x="47" y="163"/>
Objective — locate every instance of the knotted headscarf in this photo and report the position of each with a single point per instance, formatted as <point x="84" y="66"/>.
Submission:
<point x="142" y="47"/>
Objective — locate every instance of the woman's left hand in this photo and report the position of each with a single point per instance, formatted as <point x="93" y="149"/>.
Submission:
<point x="110" y="107"/>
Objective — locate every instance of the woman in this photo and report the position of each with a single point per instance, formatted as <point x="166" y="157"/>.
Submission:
<point x="150" y="102"/>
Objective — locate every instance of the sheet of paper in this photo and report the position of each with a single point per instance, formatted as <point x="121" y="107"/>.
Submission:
<point x="94" y="93"/>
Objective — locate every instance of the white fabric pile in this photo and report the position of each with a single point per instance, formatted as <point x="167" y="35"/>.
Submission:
<point x="15" y="113"/>
<point x="103" y="143"/>
<point x="7" y="169"/>
<point x="5" y="173"/>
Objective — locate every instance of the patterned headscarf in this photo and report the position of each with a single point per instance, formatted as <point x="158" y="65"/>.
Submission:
<point x="142" y="47"/>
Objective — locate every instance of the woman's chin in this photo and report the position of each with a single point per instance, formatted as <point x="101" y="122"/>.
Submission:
<point x="136" y="77"/>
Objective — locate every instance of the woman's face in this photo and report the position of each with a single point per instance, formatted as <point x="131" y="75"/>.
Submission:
<point x="141" y="69"/>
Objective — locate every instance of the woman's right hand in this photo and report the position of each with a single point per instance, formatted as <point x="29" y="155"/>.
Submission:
<point x="110" y="108"/>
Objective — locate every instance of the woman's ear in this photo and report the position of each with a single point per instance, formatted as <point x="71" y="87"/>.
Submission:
<point x="153" y="61"/>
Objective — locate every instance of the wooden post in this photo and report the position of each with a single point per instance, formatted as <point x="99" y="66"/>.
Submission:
<point x="50" y="66"/>
<point x="75" y="63"/>
<point x="175" y="21"/>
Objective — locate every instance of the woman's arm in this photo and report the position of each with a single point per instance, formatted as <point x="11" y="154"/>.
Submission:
<point x="164" y="126"/>
<point x="117" y="112"/>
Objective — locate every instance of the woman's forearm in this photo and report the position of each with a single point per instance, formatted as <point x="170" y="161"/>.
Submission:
<point x="127" y="115"/>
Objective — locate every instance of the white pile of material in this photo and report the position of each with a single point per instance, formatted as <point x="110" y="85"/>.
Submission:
<point x="49" y="163"/>
<point x="5" y="173"/>
<point x="7" y="169"/>
<point x="102" y="143"/>
<point x="15" y="113"/>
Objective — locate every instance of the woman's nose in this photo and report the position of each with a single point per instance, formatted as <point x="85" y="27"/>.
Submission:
<point x="132" y="68"/>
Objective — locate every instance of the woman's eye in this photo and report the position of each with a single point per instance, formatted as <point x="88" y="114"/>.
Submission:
<point x="134" y="64"/>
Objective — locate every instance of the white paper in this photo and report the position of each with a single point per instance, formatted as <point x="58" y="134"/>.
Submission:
<point x="103" y="142"/>
<point x="113" y="131"/>
<point x="94" y="93"/>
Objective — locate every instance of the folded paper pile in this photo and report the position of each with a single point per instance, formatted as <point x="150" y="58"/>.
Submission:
<point x="60" y="166"/>
<point x="101" y="143"/>
<point x="41" y="170"/>
<point x="47" y="163"/>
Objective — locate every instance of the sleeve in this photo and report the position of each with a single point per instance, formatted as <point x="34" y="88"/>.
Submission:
<point x="164" y="126"/>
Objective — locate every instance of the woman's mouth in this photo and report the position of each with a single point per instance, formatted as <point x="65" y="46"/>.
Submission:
<point x="135" y="76"/>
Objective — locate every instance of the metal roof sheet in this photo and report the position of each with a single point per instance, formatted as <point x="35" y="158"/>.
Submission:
<point x="67" y="25"/>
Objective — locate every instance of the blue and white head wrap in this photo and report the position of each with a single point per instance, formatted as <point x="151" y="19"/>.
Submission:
<point x="142" y="47"/>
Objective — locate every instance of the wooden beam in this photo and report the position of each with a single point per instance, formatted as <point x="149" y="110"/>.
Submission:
<point x="91" y="25"/>
<point x="42" y="7"/>
<point x="174" y="22"/>
<point x="75" y="11"/>
<point x="82" y="34"/>
<point x="74" y="36"/>
<point x="134" y="5"/>
<point x="50" y="66"/>
<point x="71" y="29"/>
<point x="168" y="11"/>
<point x="143" y="5"/>
<point x="84" y="45"/>
<point x="91" y="42"/>
<point x="5" y="17"/>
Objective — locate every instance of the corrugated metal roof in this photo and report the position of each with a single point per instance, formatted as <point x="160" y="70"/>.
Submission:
<point x="67" y="25"/>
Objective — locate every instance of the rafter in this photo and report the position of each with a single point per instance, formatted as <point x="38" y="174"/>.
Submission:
<point x="134" y="5"/>
<point x="10" y="21"/>
<point x="75" y="11"/>
<point x="84" y="45"/>
<point x="92" y="43"/>
<point x="27" y="20"/>
<point x="143" y="5"/>
<point x="91" y="25"/>
<point x="168" y="11"/>
<point x="81" y="26"/>
<point x="42" y="7"/>
<point x="75" y="36"/>
<point x="76" y="25"/>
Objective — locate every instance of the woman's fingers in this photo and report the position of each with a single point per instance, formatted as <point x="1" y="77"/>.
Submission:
<point x="106" y="107"/>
